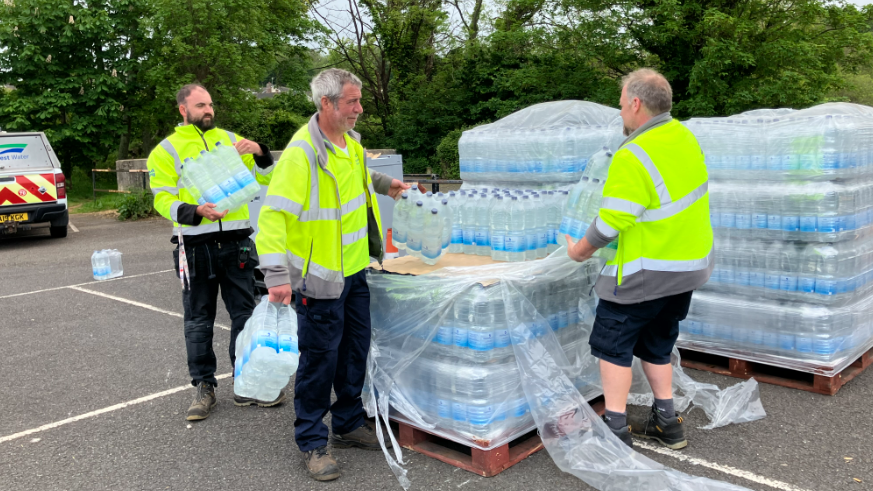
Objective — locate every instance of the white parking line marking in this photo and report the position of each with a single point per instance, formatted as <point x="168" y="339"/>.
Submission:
<point x="726" y="469"/>
<point x="84" y="284"/>
<point x="138" y="304"/>
<point x="73" y="227"/>
<point x="98" y="412"/>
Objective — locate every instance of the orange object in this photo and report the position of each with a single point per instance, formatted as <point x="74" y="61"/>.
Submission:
<point x="389" y="246"/>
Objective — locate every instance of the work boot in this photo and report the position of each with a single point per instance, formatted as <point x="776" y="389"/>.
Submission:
<point x="203" y="403"/>
<point x="668" y="431"/>
<point x="248" y="401"/>
<point x="363" y="437"/>
<point x="623" y="434"/>
<point x="321" y="464"/>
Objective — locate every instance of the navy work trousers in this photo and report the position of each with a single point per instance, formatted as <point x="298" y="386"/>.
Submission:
<point x="334" y="339"/>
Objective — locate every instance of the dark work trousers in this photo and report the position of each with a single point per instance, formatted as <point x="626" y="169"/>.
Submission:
<point x="215" y="266"/>
<point x="334" y="339"/>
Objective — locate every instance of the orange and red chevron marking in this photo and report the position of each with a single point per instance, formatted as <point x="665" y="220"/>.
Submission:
<point x="26" y="189"/>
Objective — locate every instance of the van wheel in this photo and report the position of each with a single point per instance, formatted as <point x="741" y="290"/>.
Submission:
<point x="58" y="232"/>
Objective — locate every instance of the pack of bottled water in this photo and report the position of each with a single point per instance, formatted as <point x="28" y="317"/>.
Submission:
<point x="106" y="264"/>
<point x="511" y="225"/>
<point x="791" y="205"/>
<point x="583" y="203"/>
<point x="542" y="144"/>
<point x="266" y="352"/>
<point x="220" y="177"/>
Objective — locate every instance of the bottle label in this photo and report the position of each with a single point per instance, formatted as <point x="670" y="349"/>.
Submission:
<point x="230" y="186"/>
<point x="265" y="338"/>
<point x="565" y="225"/>
<point x="743" y="278"/>
<point x="214" y="194"/>
<point x="501" y="338"/>
<point x="563" y="319"/>
<point x="287" y="344"/>
<point x="827" y="225"/>
<point x="807" y="284"/>
<point x="480" y="415"/>
<point x="774" y="222"/>
<point x="744" y="221"/>
<point x="790" y="223"/>
<point x="469" y="236"/>
<point x="756" y="279"/>
<point x="457" y="236"/>
<point x="713" y="219"/>
<point x="514" y="243"/>
<point x="553" y="321"/>
<point x="459" y="336"/>
<point x="237" y="369"/>
<point x="772" y="281"/>
<point x="727" y="276"/>
<point x="444" y="408"/>
<point x="760" y="220"/>
<point x="498" y="243"/>
<point x="572" y="316"/>
<point x="727" y="220"/>
<point x="552" y="236"/>
<point x="531" y="240"/>
<point x="826" y="287"/>
<point x="459" y="411"/>
<point x="444" y="336"/>
<point x="758" y="162"/>
<point x="244" y="178"/>
<point x="482" y="237"/>
<point x="413" y="243"/>
<point x="788" y="283"/>
<point x="480" y="341"/>
<point x="542" y="240"/>
<point x="807" y="224"/>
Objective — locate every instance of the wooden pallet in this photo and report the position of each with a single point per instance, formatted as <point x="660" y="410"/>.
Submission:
<point x="733" y="367"/>
<point x="486" y="463"/>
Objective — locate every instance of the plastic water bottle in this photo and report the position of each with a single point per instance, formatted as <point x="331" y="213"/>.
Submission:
<point x="198" y="175"/>
<point x="553" y="220"/>
<point x="516" y="241"/>
<point x="468" y="223"/>
<point x="542" y="229"/>
<point x="189" y="184"/>
<point x="399" y="222"/>
<point x="498" y="228"/>
<point x="457" y="244"/>
<point x="530" y="229"/>
<point x="446" y="215"/>
<point x="100" y="265"/>
<point x="228" y="155"/>
<point x="287" y="331"/>
<point x="415" y="234"/>
<point x="223" y="178"/>
<point x="116" y="269"/>
<point x="483" y="234"/>
<point x="431" y="243"/>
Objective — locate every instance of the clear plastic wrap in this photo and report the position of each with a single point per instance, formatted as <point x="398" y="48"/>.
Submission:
<point x="824" y="142"/>
<point x="808" y="338"/>
<point x="546" y="143"/>
<point x="483" y="355"/>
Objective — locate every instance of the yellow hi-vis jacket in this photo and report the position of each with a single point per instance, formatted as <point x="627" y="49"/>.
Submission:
<point x="656" y="202"/>
<point x="320" y="220"/>
<point x="165" y="170"/>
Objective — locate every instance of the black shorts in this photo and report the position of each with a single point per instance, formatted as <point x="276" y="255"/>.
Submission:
<point x="647" y="330"/>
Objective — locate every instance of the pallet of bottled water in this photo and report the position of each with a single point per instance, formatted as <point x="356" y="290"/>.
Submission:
<point x="266" y="351"/>
<point x="444" y="339"/>
<point x="822" y="143"/>
<point x="220" y="177"/>
<point x="511" y="225"/>
<point x="546" y="143"/>
<point x="816" y="339"/>
<point x="106" y="264"/>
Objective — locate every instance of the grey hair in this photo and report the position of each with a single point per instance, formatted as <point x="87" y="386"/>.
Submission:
<point x="185" y="91"/>
<point x="330" y="83"/>
<point x="651" y="88"/>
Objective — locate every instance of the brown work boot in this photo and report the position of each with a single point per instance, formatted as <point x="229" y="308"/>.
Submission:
<point x="363" y="437"/>
<point x="248" y="401"/>
<point x="321" y="464"/>
<point x="203" y="403"/>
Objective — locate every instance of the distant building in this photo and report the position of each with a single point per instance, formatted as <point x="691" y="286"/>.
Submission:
<point x="270" y="91"/>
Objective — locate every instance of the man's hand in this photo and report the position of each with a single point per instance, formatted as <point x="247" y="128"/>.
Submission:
<point x="579" y="251"/>
<point x="281" y="293"/>
<point x="247" y="146"/>
<point x="207" y="211"/>
<point x="397" y="187"/>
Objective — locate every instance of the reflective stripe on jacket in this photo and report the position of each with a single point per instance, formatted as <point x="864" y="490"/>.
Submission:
<point x="320" y="220"/>
<point x="656" y="203"/>
<point x="165" y="168"/>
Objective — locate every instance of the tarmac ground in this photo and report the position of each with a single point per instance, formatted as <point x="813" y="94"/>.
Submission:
<point x="96" y="388"/>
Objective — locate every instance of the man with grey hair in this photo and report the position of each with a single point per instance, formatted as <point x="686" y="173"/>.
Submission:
<point x="319" y="227"/>
<point x="656" y="207"/>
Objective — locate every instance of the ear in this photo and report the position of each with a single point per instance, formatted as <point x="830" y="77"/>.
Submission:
<point x="325" y="102"/>
<point x="183" y="112"/>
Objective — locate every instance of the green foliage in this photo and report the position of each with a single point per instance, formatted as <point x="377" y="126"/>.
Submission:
<point x="136" y="205"/>
<point x="447" y="155"/>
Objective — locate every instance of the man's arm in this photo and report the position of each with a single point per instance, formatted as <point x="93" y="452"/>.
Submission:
<point x="163" y="183"/>
<point x="256" y="156"/>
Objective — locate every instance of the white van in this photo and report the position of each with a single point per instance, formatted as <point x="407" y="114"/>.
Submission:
<point x="32" y="185"/>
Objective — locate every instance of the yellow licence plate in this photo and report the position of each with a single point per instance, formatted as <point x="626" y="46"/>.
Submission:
<point x="14" y="217"/>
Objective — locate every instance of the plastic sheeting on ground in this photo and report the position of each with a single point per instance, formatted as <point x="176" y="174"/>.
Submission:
<point x="555" y="371"/>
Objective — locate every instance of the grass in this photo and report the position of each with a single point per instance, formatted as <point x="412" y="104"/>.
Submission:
<point x="104" y="202"/>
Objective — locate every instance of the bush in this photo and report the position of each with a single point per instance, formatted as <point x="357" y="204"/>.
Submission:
<point x="136" y="205"/>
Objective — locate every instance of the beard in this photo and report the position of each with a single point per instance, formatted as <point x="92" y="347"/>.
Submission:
<point x="627" y="131"/>
<point x="204" y="126"/>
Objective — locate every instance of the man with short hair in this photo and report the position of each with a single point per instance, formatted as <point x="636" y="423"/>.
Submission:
<point x="656" y="204"/>
<point x="318" y="228"/>
<point x="216" y="243"/>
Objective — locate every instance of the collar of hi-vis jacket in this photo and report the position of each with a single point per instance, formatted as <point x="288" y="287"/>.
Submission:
<point x="656" y="121"/>
<point x="192" y="132"/>
<point x="322" y="143"/>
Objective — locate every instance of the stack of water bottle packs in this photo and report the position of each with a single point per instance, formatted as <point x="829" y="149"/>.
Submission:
<point x="791" y="198"/>
<point x="106" y="264"/>
<point x="545" y="145"/>
<point x="266" y="352"/>
<point x="510" y="225"/>
<point x="446" y="340"/>
<point x="220" y="177"/>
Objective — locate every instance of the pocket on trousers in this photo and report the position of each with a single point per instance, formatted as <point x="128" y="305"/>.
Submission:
<point x="606" y="333"/>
